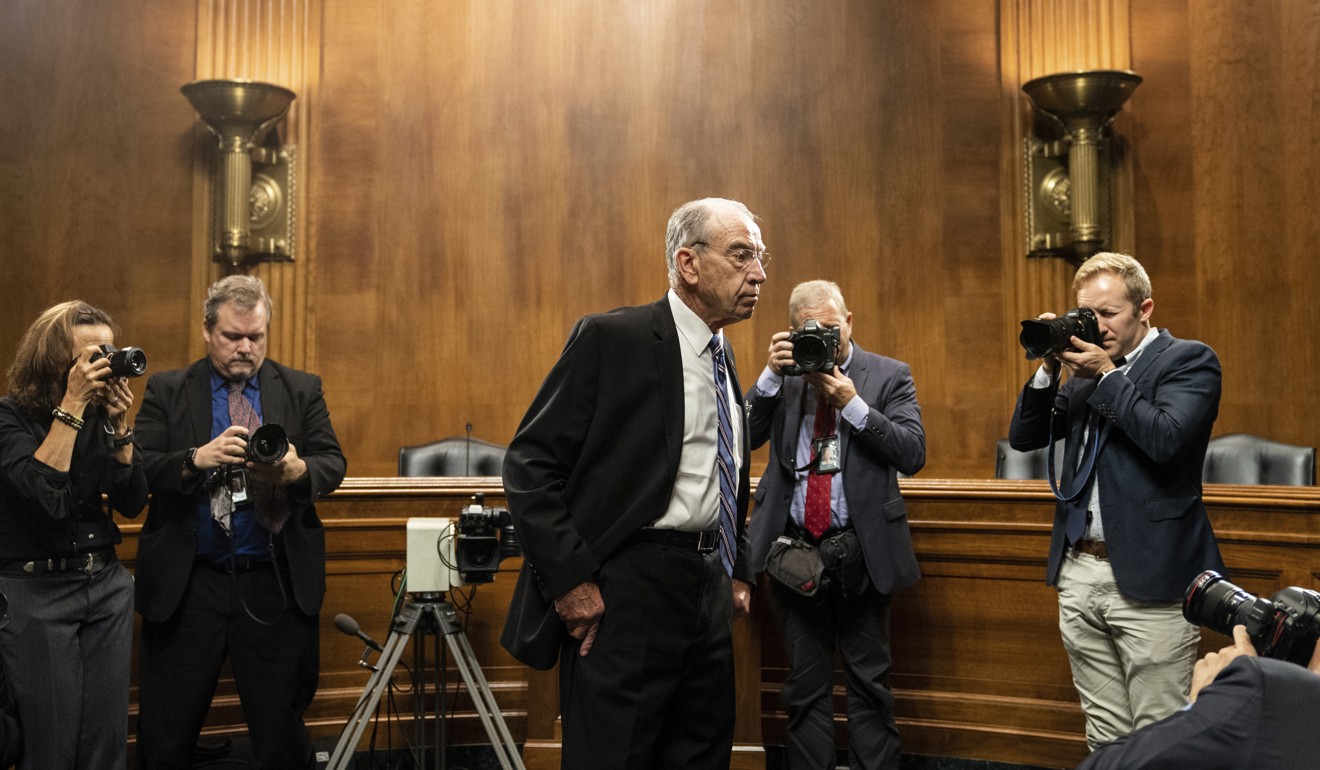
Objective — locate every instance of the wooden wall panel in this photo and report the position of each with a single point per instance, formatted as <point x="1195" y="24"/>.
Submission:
<point x="495" y="170"/>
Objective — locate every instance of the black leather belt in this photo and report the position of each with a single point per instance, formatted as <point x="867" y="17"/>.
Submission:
<point x="86" y="563"/>
<point x="1096" y="548"/>
<point x="238" y="567"/>
<point x="701" y="542"/>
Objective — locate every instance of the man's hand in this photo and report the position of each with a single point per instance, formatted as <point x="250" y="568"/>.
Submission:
<point x="742" y="598"/>
<point x="1086" y="359"/>
<point x="289" y="470"/>
<point x="837" y="387"/>
<point x="781" y="353"/>
<point x="229" y="448"/>
<point x="1208" y="668"/>
<point x="581" y="610"/>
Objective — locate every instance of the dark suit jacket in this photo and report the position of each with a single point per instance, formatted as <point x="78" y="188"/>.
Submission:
<point x="594" y="461"/>
<point x="1157" y="420"/>
<point x="1258" y="714"/>
<point x="893" y="442"/>
<point x="175" y="416"/>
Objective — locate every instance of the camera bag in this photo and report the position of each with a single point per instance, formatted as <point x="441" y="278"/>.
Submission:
<point x="796" y="564"/>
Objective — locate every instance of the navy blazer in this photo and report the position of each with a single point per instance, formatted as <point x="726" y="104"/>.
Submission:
<point x="1157" y="421"/>
<point x="1257" y="714"/>
<point x="594" y="460"/>
<point x="176" y="416"/>
<point x="893" y="441"/>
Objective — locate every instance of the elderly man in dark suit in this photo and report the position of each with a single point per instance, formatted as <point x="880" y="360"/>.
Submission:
<point x="838" y="437"/>
<point x="1130" y="529"/>
<point x="1246" y="712"/>
<point x="627" y="483"/>
<point x="232" y="557"/>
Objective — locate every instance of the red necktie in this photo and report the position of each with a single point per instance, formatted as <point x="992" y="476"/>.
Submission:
<point x="816" y="518"/>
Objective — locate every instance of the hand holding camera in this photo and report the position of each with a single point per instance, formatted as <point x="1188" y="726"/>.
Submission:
<point x="1072" y="339"/>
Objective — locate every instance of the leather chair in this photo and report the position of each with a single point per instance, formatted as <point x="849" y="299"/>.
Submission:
<point x="1241" y="458"/>
<point x="1032" y="464"/>
<point x="453" y="456"/>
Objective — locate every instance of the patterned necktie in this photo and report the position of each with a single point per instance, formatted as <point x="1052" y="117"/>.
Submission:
<point x="816" y="517"/>
<point x="724" y="459"/>
<point x="268" y="500"/>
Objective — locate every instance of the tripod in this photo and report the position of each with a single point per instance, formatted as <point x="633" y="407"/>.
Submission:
<point x="428" y="614"/>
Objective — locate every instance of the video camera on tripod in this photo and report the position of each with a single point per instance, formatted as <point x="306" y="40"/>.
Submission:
<point x="442" y="555"/>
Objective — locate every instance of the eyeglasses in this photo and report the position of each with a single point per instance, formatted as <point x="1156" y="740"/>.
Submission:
<point x="743" y="258"/>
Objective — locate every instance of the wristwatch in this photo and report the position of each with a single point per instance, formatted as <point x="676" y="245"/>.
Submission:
<point x="188" y="461"/>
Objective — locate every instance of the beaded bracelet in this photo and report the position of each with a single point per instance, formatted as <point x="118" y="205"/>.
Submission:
<point x="68" y="418"/>
<point x="124" y="440"/>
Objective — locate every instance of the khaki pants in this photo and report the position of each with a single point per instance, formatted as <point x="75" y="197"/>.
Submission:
<point x="1131" y="661"/>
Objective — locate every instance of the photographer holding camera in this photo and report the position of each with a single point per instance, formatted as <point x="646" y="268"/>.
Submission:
<point x="829" y="524"/>
<point x="232" y="557"/>
<point x="65" y="442"/>
<point x="1246" y="712"/>
<point x="1130" y="529"/>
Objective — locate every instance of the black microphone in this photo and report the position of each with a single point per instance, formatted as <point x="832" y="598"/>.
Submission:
<point x="350" y="626"/>
<point x="467" y="452"/>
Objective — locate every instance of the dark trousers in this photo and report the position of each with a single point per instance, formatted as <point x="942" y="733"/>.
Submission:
<point x="859" y="626"/>
<point x="656" y="690"/>
<point x="275" y="668"/>
<point x="67" y="651"/>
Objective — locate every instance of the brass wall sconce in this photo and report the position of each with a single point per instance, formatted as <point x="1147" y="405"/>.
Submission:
<point x="254" y="203"/>
<point x="1069" y="199"/>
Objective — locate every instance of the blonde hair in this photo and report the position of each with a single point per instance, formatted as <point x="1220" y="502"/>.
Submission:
<point x="812" y="293"/>
<point x="1125" y="267"/>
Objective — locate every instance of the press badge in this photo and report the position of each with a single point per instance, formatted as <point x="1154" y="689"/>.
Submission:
<point x="827" y="454"/>
<point x="236" y="480"/>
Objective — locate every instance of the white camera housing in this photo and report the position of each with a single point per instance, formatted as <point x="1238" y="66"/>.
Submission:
<point x="432" y="559"/>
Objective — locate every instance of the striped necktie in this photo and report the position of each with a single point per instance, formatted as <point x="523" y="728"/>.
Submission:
<point x="724" y="459"/>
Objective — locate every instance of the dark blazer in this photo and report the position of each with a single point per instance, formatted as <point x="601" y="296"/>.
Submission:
<point x="1257" y="714"/>
<point x="594" y="461"/>
<point x="893" y="442"/>
<point x="1156" y="425"/>
<point x="175" y="416"/>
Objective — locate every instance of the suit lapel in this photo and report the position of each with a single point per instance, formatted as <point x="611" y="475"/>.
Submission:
<point x="787" y="428"/>
<point x="274" y="404"/>
<point x="669" y="368"/>
<point x="1148" y="356"/>
<point x="197" y="392"/>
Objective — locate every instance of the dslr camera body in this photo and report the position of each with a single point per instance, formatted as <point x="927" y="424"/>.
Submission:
<point x="124" y="362"/>
<point x="1284" y="627"/>
<point x="814" y="348"/>
<point x="1049" y="337"/>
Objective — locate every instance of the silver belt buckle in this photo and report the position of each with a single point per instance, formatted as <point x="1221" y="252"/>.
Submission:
<point x="89" y="560"/>
<point x="706" y="540"/>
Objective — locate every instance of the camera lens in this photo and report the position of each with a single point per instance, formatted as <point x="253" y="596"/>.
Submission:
<point x="1217" y="604"/>
<point x="128" y="362"/>
<point x="268" y="444"/>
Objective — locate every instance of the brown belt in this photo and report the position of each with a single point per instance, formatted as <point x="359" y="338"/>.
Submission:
<point x="1096" y="548"/>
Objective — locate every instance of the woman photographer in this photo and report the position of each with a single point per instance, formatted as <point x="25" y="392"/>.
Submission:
<point x="64" y="443"/>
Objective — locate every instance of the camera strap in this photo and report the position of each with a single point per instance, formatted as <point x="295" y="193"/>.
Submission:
<point x="1087" y="468"/>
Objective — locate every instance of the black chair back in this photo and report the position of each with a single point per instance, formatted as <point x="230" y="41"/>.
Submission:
<point x="453" y="456"/>
<point x="1241" y="458"/>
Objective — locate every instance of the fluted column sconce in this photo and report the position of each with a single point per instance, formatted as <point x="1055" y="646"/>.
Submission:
<point x="1068" y="180"/>
<point x="254" y="189"/>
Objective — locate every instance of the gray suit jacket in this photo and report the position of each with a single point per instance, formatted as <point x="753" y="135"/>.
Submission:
<point x="893" y="442"/>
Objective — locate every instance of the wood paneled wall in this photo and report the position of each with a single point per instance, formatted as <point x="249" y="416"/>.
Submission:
<point x="482" y="172"/>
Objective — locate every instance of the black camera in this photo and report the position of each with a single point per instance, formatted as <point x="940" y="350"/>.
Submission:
<point x="124" y="362"/>
<point x="485" y="537"/>
<point x="268" y="444"/>
<point x="1043" y="338"/>
<point x="1285" y="626"/>
<point x="814" y="347"/>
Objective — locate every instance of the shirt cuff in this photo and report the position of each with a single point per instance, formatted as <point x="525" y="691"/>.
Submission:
<point x="856" y="413"/>
<point x="1041" y="379"/>
<point x="769" y="383"/>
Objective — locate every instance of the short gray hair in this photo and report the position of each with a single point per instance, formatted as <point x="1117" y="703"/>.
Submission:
<point x="245" y="291"/>
<point x="691" y="223"/>
<point x="811" y="294"/>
